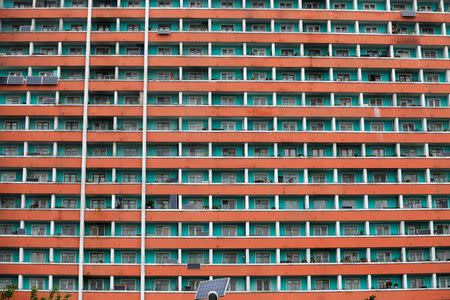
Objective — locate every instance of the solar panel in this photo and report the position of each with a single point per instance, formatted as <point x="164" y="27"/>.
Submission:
<point x="3" y="79"/>
<point x="49" y="80"/>
<point x="15" y="80"/>
<point x="173" y="202"/>
<point x="217" y="285"/>
<point x="34" y="80"/>
<point x="193" y="266"/>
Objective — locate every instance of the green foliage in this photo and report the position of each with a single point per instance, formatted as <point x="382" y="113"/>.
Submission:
<point x="9" y="291"/>
<point x="54" y="294"/>
<point x="33" y="295"/>
<point x="371" y="297"/>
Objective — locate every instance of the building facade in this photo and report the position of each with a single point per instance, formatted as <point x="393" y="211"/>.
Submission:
<point x="299" y="147"/>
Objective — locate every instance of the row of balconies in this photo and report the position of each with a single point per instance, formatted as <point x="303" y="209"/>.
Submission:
<point x="229" y="229"/>
<point x="269" y="283"/>
<point x="166" y="26"/>
<point x="226" y="256"/>
<point x="230" y="176"/>
<point x="220" y="99"/>
<point x="238" y="150"/>
<point x="187" y="202"/>
<point x="410" y="7"/>
<point x="228" y="49"/>
<point x="233" y="124"/>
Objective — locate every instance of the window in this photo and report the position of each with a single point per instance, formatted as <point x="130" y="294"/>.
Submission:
<point x="383" y="283"/>
<point x="262" y="284"/>
<point x="313" y="28"/>
<point x="227" y="27"/>
<point x="408" y="126"/>
<point x="229" y="258"/>
<point x="443" y="255"/>
<point x="195" y="76"/>
<point x="411" y="177"/>
<point x="291" y="204"/>
<point x="258" y="4"/>
<point x="311" y="5"/>
<point x="161" y="257"/>
<point x="71" y="125"/>
<point x="261" y="152"/>
<point x="228" y="151"/>
<point x="129" y="230"/>
<point x="318" y="178"/>
<point x="69" y="229"/>
<point x="161" y="204"/>
<point x="228" y="178"/>
<point x="379" y="177"/>
<point x="352" y="284"/>
<point x="196" y="151"/>
<point x="227" y="76"/>
<point x="290" y="152"/>
<point x="415" y="255"/>
<point x="287" y="52"/>
<point x="402" y="77"/>
<point x="16" y="51"/>
<point x="375" y="102"/>
<point x="130" y="177"/>
<point x="292" y="230"/>
<point x="441" y="203"/>
<point x="198" y="27"/>
<point x="417" y="283"/>
<point x="321" y="257"/>
<point x="162" y="230"/>
<point x="96" y="258"/>
<point x="379" y="152"/>
<point x="97" y="230"/>
<point x="317" y="126"/>
<point x="427" y="30"/>
<point x="286" y="28"/>
<point x="67" y="284"/>
<point x="39" y="283"/>
<point x="288" y="101"/>
<point x="95" y="284"/>
<point x="38" y="229"/>
<point x="435" y="126"/>
<point x="315" y="76"/>
<point x="228" y="51"/>
<point x="262" y="258"/>
<point x="12" y="99"/>
<point x="8" y="176"/>
<point x="344" y="101"/>
<point x="320" y="230"/>
<point x="290" y="177"/>
<point x="195" y="125"/>
<point x="288" y="76"/>
<point x="163" y="125"/>
<point x="258" y="28"/>
<point x="228" y="204"/>
<point x="162" y="284"/>
<point x="316" y="101"/>
<point x="227" y="100"/>
<point x="342" y="53"/>
<point x="293" y="257"/>
<point x="376" y="126"/>
<point x="164" y="51"/>
<point x="10" y="150"/>
<point x="195" y="203"/>
<point x="164" y="76"/>
<point x="259" y="76"/>
<point x="429" y="54"/>
<point x="341" y="29"/>
<point x="289" y="126"/>
<point x="260" y="101"/>
<point x="261" y="204"/>
<point x="70" y="177"/>
<point x="48" y="27"/>
<point x="431" y="77"/>
<point x="347" y="152"/>
<point x="261" y="177"/>
<point x="7" y="203"/>
<point x="130" y="151"/>
<point x="314" y="52"/>
<point x="369" y="6"/>
<point x="346" y="126"/>
<point x="37" y="257"/>
<point x="351" y="256"/>
<point x="6" y="228"/>
<point x="350" y="229"/>
<point x="339" y="6"/>
<point x="77" y="27"/>
<point x="194" y="230"/>
<point x="69" y="203"/>
<point x="260" y="126"/>
<point x="382" y="230"/>
<point x="371" y="29"/>
<point x="403" y="53"/>
<point x="11" y="125"/>
<point x="381" y="203"/>
<point x="229" y="230"/>
<point x="5" y="282"/>
<point x="134" y="3"/>
<point x="262" y="230"/>
<point x="226" y="4"/>
<point x="286" y="4"/>
<point x="322" y="284"/>
<point x="47" y="51"/>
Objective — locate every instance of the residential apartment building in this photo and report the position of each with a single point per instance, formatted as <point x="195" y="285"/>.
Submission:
<point x="299" y="147"/>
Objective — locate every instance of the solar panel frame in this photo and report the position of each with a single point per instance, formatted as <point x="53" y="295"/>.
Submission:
<point x="34" y="80"/>
<point x="15" y="80"/>
<point x="3" y="79"/>
<point x="49" y="80"/>
<point x="217" y="285"/>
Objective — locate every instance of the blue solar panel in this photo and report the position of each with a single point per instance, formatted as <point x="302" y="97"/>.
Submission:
<point x="173" y="202"/>
<point x="15" y="79"/>
<point x="49" y="80"/>
<point x="3" y="79"/>
<point x="34" y="80"/>
<point x="217" y="285"/>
